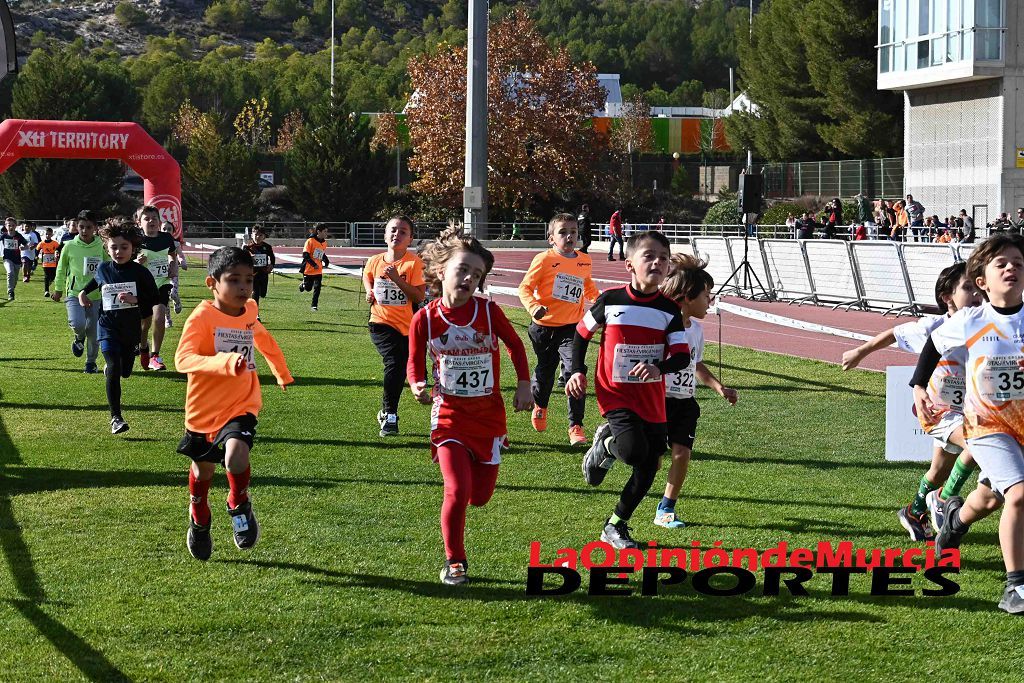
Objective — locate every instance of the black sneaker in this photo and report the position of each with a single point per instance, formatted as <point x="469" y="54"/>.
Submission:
<point x="1013" y="600"/>
<point x="10" y="295"/>
<point x="46" y="295"/>
<point x="118" y="425"/>
<point x="198" y="540"/>
<point x="389" y="426"/>
<point x="947" y="537"/>
<point x="244" y="525"/>
<point x="916" y="525"/>
<point x="598" y="460"/>
<point x="302" y="287"/>
<point x="455" y="573"/>
<point x="617" y="535"/>
<point x="78" y="347"/>
<point x="90" y="369"/>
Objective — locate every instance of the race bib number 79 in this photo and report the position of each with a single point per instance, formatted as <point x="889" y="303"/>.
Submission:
<point x="233" y="340"/>
<point x="628" y="356"/>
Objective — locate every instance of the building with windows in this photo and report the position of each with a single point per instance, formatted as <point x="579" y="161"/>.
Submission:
<point x="960" y="67"/>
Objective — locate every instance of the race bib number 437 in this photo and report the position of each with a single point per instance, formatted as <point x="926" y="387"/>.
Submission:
<point x="467" y="375"/>
<point x="628" y="356"/>
<point x="232" y="340"/>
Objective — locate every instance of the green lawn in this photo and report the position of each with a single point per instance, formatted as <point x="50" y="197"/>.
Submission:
<point x="96" y="582"/>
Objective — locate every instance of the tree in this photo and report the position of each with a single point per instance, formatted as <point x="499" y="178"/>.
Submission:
<point x="332" y="172"/>
<point x="66" y="84"/>
<point x="633" y="133"/>
<point x="810" y="72"/>
<point x="286" y="134"/>
<point x="252" y="125"/>
<point x="130" y="16"/>
<point x="539" y="104"/>
<point x="219" y="179"/>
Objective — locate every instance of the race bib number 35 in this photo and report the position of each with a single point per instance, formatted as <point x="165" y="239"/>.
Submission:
<point x="111" y="295"/>
<point x="568" y="288"/>
<point x="232" y="340"/>
<point x="467" y="375"/>
<point x="387" y="293"/>
<point x="1001" y="379"/>
<point x="628" y="356"/>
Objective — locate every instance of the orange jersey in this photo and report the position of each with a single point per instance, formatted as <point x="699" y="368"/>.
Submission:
<point x="212" y="342"/>
<point x="560" y="284"/>
<point x="390" y="305"/>
<point x="48" y="253"/>
<point x="316" y="250"/>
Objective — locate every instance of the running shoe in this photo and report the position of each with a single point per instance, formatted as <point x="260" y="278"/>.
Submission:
<point x="947" y="536"/>
<point x="198" y="540"/>
<point x="617" y="535"/>
<point x="168" y="322"/>
<point x="381" y="418"/>
<point x="454" y="573"/>
<point x="46" y="295"/>
<point x="916" y="525"/>
<point x="177" y="308"/>
<point x="389" y="427"/>
<point x="667" y="519"/>
<point x="90" y="369"/>
<point x="118" y="425"/>
<point x="598" y="460"/>
<point x="577" y="437"/>
<point x="77" y="347"/>
<point x="539" y="419"/>
<point x="936" y="509"/>
<point x="244" y="526"/>
<point x="156" y="363"/>
<point x="1013" y="600"/>
<point x="312" y="308"/>
<point x="144" y="358"/>
<point x="10" y="295"/>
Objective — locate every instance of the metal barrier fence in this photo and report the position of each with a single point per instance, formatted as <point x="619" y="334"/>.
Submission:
<point x="874" y="177"/>
<point x="889" y="276"/>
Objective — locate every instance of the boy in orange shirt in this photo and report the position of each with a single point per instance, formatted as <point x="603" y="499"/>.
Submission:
<point x="554" y="291"/>
<point x="217" y="352"/>
<point x="48" y="250"/>
<point x="314" y="259"/>
<point x="394" y="283"/>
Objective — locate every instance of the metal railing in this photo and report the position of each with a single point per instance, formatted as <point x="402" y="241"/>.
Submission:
<point x="873" y="177"/>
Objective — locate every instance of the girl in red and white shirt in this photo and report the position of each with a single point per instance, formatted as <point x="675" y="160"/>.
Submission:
<point x="467" y="419"/>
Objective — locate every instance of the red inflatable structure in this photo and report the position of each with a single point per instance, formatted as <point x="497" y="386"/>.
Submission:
<point x="128" y="142"/>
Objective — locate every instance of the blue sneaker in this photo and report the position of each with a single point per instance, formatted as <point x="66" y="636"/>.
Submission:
<point x="667" y="519"/>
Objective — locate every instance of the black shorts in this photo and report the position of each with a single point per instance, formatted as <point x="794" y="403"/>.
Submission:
<point x="629" y="428"/>
<point x="682" y="415"/>
<point x="200" y="449"/>
<point x="309" y="280"/>
<point x="163" y="295"/>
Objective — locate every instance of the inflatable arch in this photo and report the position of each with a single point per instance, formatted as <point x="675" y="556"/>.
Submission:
<point x="128" y="142"/>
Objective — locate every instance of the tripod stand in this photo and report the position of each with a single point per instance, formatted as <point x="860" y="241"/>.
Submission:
<point x="747" y="273"/>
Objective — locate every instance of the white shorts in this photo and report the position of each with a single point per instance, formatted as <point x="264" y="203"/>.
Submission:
<point x="1000" y="460"/>
<point x="946" y="427"/>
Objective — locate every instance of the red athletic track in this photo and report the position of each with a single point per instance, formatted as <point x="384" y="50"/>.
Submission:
<point x="736" y="330"/>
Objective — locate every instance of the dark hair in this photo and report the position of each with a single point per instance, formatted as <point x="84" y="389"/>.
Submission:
<point x="450" y="242"/>
<point x="319" y="226"/>
<point x="405" y="219"/>
<point x="633" y="243"/>
<point x="87" y="215"/>
<point x="986" y="251"/>
<point x="225" y="259"/>
<point x="688" y="277"/>
<point x="259" y="229"/>
<point x="120" y="226"/>
<point x="946" y="283"/>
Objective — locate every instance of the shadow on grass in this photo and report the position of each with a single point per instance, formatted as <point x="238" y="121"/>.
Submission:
<point x="791" y="381"/>
<point x="90" y="662"/>
<point x="816" y="463"/>
<point x="104" y="408"/>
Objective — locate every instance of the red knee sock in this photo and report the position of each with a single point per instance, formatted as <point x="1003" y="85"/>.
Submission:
<point x="200" y="491"/>
<point x="239" y="485"/>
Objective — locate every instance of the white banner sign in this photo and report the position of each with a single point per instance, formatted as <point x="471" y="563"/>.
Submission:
<point x="904" y="438"/>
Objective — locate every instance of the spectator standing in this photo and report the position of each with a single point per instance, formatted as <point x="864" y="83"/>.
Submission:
<point x="968" y="224"/>
<point x="615" y="233"/>
<point x="583" y="223"/>
<point x="863" y="208"/>
<point x="805" y="227"/>
<point x="915" y="212"/>
<point x="901" y="222"/>
<point x="1018" y="224"/>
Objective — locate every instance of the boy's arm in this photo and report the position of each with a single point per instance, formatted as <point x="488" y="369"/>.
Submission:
<point x="678" y="349"/>
<point x="368" y="283"/>
<point x="60" y="277"/>
<point x="852" y="358"/>
<point x="267" y="345"/>
<point x="529" y="284"/>
<point x="708" y="379"/>
<point x="188" y="359"/>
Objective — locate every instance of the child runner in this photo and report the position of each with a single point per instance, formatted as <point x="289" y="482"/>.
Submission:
<point x="223" y="397"/>
<point x="28" y="251"/>
<point x="990" y="337"/>
<point x="954" y="290"/>
<point x="555" y="290"/>
<point x="263" y="262"/>
<point x="127" y="293"/>
<point x="13" y="241"/>
<point x="689" y="285"/>
<point x="168" y="228"/>
<point x="314" y="260"/>
<point x="48" y="255"/>
<point x="644" y="338"/>
<point x="158" y="253"/>
<point x="76" y="267"/>
<point x="467" y="421"/>
<point x="394" y="284"/>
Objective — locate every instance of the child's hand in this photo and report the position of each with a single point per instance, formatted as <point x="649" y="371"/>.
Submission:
<point x="730" y="395"/>
<point x="924" y="406"/>
<point x="421" y="393"/>
<point x="55" y="296"/>
<point x="392" y="274"/>
<point x="540" y="312"/>
<point x="84" y="301"/>
<point x="240" y="364"/>
<point x="523" y="399"/>
<point x="369" y="298"/>
<point x="283" y="387"/>
<point x="141" y="259"/>
<point x="645" y="371"/>
<point x="576" y="386"/>
<point x="126" y="298"/>
<point x="852" y="358"/>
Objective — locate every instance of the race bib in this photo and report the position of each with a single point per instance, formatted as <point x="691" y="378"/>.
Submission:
<point x="1001" y="379"/>
<point x="568" y="288"/>
<point x="387" y="293"/>
<point x="627" y="356"/>
<point x="680" y="384"/>
<point x="10" y="245"/>
<point x="90" y="264"/>
<point x="158" y="266"/>
<point x="260" y="260"/>
<point x="951" y="391"/>
<point x="233" y="340"/>
<point x="467" y="375"/>
<point x="318" y="254"/>
<point x="110" y="293"/>
<point x="49" y="258"/>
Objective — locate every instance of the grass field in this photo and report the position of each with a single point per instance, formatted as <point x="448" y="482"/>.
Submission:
<point x="96" y="582"/>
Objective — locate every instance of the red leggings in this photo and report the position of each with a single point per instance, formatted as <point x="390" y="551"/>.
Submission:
<point x="466" y="482"/>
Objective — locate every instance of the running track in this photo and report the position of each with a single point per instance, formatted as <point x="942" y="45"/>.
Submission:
<point x="736" y="329"/>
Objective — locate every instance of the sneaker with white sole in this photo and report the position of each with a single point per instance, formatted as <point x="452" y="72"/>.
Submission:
<point x="118" y="425"/>
<point x="244" y="525"/>
<point x="916" y="525"/>
<point x="598" y="460"/>
<point x="168" y="323"/>
<point x="156" y="363"/>
<point x="77" y="347"/>
<point x="617" y="535"/>
<point x="936" y="509"/>
<point x="667" y="519"/>
<point x="389" y="427"/>
<point x="454" y="573"/>
<point x="1013" y="600"/>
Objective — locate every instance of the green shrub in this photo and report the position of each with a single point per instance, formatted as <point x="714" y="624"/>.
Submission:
<point x="725" y="212"/>
<point x="130" y="16"/>
<point x="777" y="213"/>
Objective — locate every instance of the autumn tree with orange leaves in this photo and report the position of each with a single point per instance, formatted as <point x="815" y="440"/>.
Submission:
<point x="540" y="140"/>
